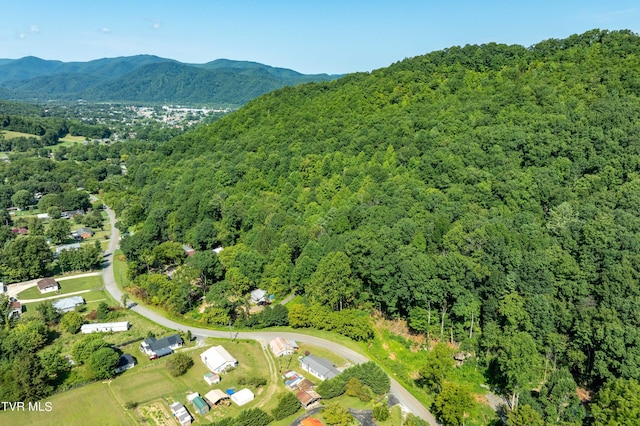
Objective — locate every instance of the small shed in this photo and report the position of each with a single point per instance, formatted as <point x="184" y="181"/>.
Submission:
<point x="125" y="362"/>
<point x="211" y="378"/>
<point x="181" y="414"/>
<point x="242" y="397"/>
<point x="200" y="405"/>
<point x="307" y="397"/>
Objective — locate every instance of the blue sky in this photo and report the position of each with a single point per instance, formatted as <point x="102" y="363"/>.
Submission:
<point x="306" y="35"/>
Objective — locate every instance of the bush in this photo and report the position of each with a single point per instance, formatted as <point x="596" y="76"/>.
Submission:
<point x="287" y="405"/>
<point x="381" y="412"/>
<point x="179" y="364"/>
<point x="252" y="381"/>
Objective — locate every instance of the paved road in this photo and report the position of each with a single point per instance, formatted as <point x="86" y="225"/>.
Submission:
<point x="406" y="399"/>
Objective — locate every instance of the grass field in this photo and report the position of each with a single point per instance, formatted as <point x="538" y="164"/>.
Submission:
<point x="66" y="287"/>
<point x="8" y="134"/>
<point x="92" y="404"/>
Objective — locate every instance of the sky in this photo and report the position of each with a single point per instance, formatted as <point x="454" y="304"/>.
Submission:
<point x="334" y="37"/>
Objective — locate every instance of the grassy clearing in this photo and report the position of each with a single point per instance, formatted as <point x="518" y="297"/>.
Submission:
<point x="69" y="139"/>
<point x="75" y="407"/>
<point x="120" y="270"/>
<point x="9" y="134"/>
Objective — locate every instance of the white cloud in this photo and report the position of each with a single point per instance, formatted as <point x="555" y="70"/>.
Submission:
<point x="105" y="30"/>
<point x="34" y="29"/>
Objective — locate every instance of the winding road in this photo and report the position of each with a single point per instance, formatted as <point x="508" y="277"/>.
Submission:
<point x="408" y="401"/>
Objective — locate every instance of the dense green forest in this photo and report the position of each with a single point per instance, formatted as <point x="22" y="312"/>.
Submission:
<point x="489" y="194"/>
<point x="145" y="78"/>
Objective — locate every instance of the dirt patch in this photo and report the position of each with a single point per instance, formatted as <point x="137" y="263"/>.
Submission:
<point x="414" y="375"/>
<point x="481" y="399"/>
<point x="583" y="394"/>
<point x="392" y="356"/>
<point x="203" y="306"/>
<point x="155" y="413"/>
<point x="255" y="309"/>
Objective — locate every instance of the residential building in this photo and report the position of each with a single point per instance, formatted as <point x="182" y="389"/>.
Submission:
<point x="68" y="304"/>
<point x="15" y="310"/>
<point x="321" y="368"/>
<point x="281" y="346"/>
<point x="105" y="327"/>
<point x="259" y="296"/>
<point x="189" y="251"/>
<point x="158" y="348"/>
<point x="65" y="247"/>
<point x="48" y="285"/>
<point x="217" y="359"/>
<point x="82" y="233"/>
<point x="307" y="397"/>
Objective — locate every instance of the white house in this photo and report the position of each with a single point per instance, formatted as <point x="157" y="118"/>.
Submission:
<point x="47" y="285"/>
<point x="158" y="348"/>
<point x="217" y="359"/>
<point x="104" y="327"/>
<point x="242" y="397"/>
<point x="258" y="296"/>
<point x="281" y="346"/>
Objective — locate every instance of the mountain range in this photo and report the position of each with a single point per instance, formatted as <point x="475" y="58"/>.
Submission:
<point x="146" y="79"/>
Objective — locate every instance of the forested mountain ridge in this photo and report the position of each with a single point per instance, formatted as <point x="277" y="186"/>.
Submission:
<point x="489" y="194"/>
<point x="144" y="78"/>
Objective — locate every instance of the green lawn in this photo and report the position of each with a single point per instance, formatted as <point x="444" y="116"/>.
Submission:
<point x="66" y="287"/>
<point x="92" y="404"/>
<point x="9" y="134"/>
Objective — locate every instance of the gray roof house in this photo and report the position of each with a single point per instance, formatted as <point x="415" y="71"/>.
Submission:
<point x="259" y="296"/>
<point x="125" y="362"/>
<point x="165" y="346"/>
<point x="68" y="304"/>
<point x="321" y="368"/>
